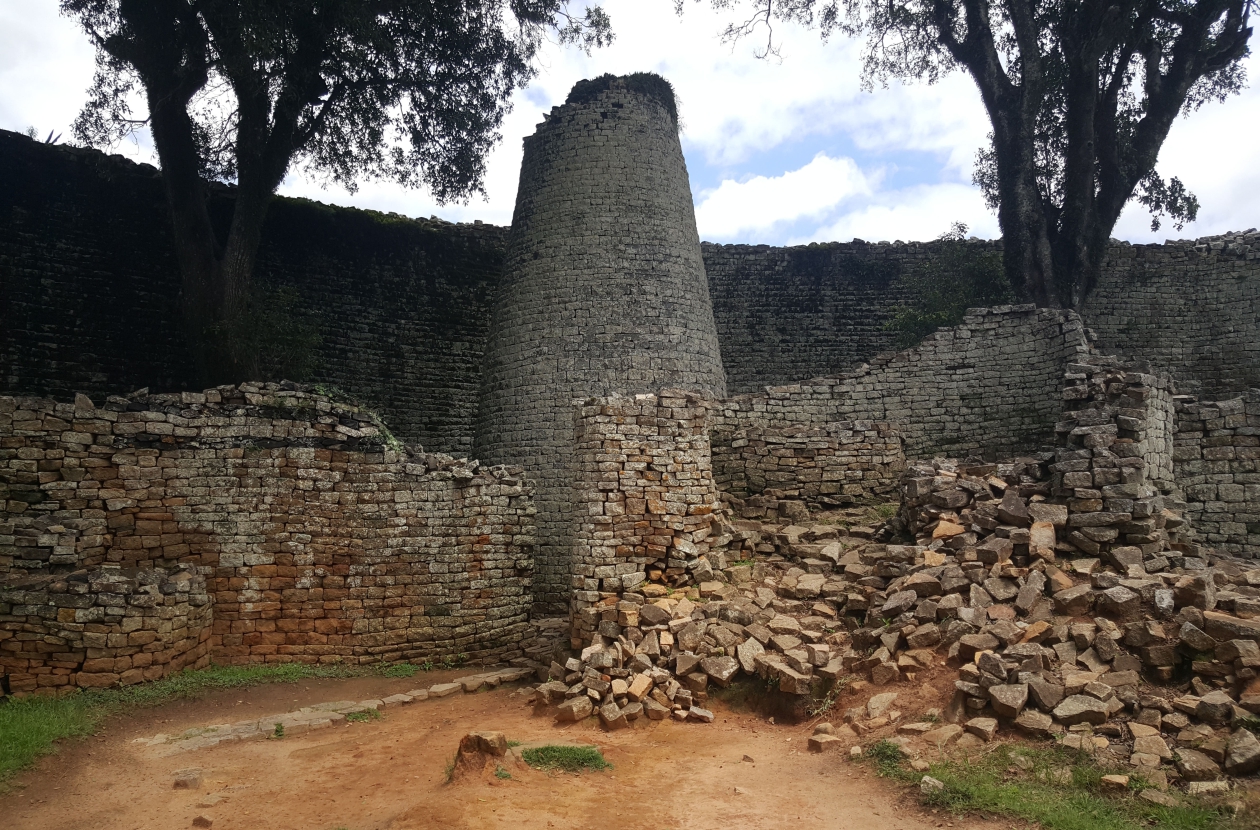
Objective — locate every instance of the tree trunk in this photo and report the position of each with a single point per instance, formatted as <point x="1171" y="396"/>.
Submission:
<point x="196" y="247"/>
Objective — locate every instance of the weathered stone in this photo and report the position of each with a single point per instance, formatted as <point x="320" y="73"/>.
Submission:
<point x="575" y="709"/>
<point x="983" y="728"/>
<point x="720" y="669"/>
<point x="1074" y="602"/>
<point x="1195" y="766"/>
<point x="1008" y="700"/>
<point x="1242" y="753"/>
<point x="1081" y="709"/>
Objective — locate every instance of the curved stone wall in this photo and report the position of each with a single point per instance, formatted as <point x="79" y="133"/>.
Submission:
<point x="604" y="292"/>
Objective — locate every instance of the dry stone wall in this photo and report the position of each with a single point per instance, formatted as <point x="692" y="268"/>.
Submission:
<point x="1217" y="463"/>
<point x="603" y="292"/>
<point x="89" y="294"/>
<point x="104" y="627"/>
<point x="837" y="464"/>
<point x="645" y="502"/>
<point x="989" y="386"/>
<point x="317" y="539"/>
<point x="1190" y="306"/>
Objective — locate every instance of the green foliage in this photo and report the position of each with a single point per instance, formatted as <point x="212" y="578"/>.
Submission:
<point x="645" y="83"/>
<point x="274" y="338"/>
<point x="29" y="727"/>
<point x="1058" y="789"/>
<point x="960" y="276"/>
<point x="278" y="732"/>
<point x="886" y="756"/>
<point x="565" y="758"/>
<point x="400" y="670"/>
<point x="501" y="773"/>
<point x="821" y="706"/>
<point x="449" y="772"/>
<point x="366" y="716"/>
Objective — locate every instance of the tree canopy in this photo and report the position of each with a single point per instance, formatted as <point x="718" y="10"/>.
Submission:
<point x="1080" y="94"/>
<point x="242" y="90"/>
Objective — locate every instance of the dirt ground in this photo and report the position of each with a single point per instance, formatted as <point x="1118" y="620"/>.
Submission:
<point x="390" y="773"/>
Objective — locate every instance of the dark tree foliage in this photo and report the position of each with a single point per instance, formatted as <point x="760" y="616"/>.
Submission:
<point x="960" y="275"/>
<point x="242" y="90"/>
<point x="1080" y="94"/>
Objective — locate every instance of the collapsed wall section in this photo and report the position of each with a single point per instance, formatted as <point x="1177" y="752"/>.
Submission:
<point x="603" y="292"/>
<point x="317" y="540"/>
<point x="989" y="386"/>
<point x="1217" y="464"/>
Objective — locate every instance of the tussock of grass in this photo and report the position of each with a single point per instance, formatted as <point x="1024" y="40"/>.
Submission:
<point x="1059" y="789"/>
<point x="30" y="726"/>
<point x="565" y="758"/>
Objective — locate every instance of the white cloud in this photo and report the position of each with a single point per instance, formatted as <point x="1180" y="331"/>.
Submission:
<point x="741" y="116"/>
<point x="759" y="203"/>
<point x="916" y="213"/>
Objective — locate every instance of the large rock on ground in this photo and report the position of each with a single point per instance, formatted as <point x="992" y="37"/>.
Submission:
<point x="1008" y="700"/>
<point x="1242" y="753"/>
<point x="1081" y="709"/>
<point x="575" y="709"/>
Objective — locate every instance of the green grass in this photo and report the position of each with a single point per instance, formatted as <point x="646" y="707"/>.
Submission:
<point x="501" y="773"/>
<point x="1020" y="782"/>
<point x="566" y="758"/>
<point x="399" y="670"/>
<point x="364" y="716"/>
<point x="30" y="726"/>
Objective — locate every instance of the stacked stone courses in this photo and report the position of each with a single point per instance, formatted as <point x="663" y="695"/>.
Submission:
<point x="1192" y="306"/>
<point x="317" y="537"/>
<point x="989" y="386"/>
<point x="89" y="291"/>
<point x="603" y="292"/>
<point x="845" y="463"/>
<point x="89" y="300"/>
<point x="1216" y="456"/>
<point x="645" y="501"/>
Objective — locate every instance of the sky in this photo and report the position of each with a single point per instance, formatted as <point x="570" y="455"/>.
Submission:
<point x="781" y="151"/>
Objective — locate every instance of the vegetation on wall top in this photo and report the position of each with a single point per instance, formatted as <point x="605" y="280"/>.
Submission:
<point x="644" y="83"/>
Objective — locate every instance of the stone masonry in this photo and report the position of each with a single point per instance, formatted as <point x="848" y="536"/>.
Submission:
<point x="645" y="502"/>
<point x="850" y="462"/>
<point x="316" y="536"/>
<point x="1216" y="456"/>
<point x="603" y="292"/>
<point x="988" y="386"/>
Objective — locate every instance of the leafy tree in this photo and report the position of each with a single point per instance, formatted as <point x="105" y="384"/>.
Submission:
<point x="242" y="90"/>
<point x="958" y="276"/>
<point x="1080" y="95"/>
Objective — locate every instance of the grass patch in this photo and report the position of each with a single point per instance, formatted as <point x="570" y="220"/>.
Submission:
<point x="1059" y="789"/>
<point x="30" y="726"/>
<point x="364" y="717"/>
<point x="565" y="758"/>
<point x="399" y="670"/>
<point x="501" y="773"/>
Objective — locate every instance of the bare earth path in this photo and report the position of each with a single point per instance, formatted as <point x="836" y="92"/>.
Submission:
<point x="390" y="774"/>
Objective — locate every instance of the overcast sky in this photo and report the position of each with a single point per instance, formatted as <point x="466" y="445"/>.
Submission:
<point x="781" y="152"/>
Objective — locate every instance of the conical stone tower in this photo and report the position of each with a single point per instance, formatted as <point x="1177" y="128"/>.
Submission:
<point x="604" y="292"/>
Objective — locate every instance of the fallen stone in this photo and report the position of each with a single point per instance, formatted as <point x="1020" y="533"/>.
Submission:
<point x="983" y="728"/>
<point x="943" y="736"/>
<point x="929" y="785"/>
<point x="1008" y="699"/>
<point x="825" y="743"/>
<point x="1195" y="766"/>
<point x="575" y="709"/>
<point x="1034" y="723"/>
<point x="1242" y="753"/>
<point x="188" y="779"/>
<point x="1081" y="709"/>
<point x="445" y="689"/>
